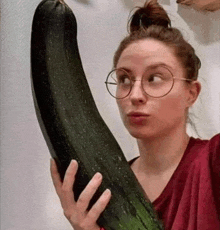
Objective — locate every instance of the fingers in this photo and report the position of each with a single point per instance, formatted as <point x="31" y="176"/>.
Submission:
<point x="70" y="174"/>
<point x="64" y="189"/>
<point x="76" y="212"/>
<point x="99" y="206"/>
<point x="67" y="195"/>
<point x="89" y="191"/>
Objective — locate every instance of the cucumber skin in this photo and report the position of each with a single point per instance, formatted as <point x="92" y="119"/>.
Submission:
<point x="72" y="125"/>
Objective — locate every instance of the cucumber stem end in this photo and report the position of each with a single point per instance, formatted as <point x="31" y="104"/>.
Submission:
<point x="62" y="2"/>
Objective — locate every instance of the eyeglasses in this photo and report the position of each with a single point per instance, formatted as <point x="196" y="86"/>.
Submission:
<point x="156" y="82"/>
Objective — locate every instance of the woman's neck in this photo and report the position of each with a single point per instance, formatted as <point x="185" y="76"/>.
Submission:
<point x="162" y="154"/>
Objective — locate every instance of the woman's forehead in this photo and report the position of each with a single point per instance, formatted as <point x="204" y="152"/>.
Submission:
<point x="148" y="52"/>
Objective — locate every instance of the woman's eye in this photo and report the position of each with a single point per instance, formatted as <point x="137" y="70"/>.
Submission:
<point x="155" y="78"/>
<point x="124" y="79"/>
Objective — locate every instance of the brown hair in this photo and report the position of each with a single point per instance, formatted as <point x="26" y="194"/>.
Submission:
<point x="152" y="21"/>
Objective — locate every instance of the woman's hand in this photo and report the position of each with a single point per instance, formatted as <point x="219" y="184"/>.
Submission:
<point x="76" y="212"/>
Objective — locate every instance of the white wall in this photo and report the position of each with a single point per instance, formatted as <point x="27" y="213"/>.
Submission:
<point x="28" y="199"/>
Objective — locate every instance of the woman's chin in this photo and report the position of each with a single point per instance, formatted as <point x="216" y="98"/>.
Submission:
<point x="139" y="134"/>
<point x="143" y="132"/>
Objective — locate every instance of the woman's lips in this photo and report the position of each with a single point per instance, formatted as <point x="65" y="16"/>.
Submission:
<point x="137" y="118"/>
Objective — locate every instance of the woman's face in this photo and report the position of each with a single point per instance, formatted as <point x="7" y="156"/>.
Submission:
<point x="145" y="116"/>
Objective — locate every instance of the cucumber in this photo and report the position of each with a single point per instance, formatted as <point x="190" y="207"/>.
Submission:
<point x="72" y="125"/>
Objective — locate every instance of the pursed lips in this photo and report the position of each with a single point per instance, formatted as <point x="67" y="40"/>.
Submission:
<point x="137" y="118"/>
<point x="137" y="114"/>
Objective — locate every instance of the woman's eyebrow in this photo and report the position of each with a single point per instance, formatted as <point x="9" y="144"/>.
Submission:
<point x="126" y="69"/>
<point x="160" y="64"/>
<point x="150" y="67"/>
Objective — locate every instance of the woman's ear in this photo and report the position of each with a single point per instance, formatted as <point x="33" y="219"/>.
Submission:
<point x="194" y="90"/>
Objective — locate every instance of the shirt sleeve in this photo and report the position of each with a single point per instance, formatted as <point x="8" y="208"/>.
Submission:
<point x="214" y="149"/>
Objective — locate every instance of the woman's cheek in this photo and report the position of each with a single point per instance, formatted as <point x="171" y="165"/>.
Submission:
<point x="173" y="109"/>
<point x="122" y="111"/>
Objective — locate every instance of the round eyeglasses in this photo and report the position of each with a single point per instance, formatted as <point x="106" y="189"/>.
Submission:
<point x="156" y="82"/>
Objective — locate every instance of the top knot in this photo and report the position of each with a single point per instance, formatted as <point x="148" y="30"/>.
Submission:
<point x="150" y="14"/>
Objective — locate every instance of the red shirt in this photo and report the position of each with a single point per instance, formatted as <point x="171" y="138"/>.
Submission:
<point x="191" y="199"/>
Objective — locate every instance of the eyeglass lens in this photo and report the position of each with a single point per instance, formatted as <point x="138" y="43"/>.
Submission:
<point x="156" y="82"/>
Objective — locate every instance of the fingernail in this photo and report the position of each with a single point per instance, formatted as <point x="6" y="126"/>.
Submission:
<point x="73" y="162"/>
<point x="98" y="175"/>
<point x="107" y="192"/>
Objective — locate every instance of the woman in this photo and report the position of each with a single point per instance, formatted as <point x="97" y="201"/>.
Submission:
<point x="156" y="72"/>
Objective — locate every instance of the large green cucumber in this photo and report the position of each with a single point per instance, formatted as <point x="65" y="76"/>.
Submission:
<point x="72" y="125"/>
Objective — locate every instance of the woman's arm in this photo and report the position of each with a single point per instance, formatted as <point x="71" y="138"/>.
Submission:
<point x="76" y="211"/>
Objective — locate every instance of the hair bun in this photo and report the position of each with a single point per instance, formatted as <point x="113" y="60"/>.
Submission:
<point x="150" y="14"/>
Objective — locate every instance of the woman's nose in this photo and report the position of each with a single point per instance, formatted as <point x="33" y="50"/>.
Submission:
<point x="137" y="94"/>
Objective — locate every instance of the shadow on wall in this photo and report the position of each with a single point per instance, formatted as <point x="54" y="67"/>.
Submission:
<point x="87" y="2"/>
<point x="165" y="2"/>
<point x="205" y="25"/>
<point x="130" y="4"/>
